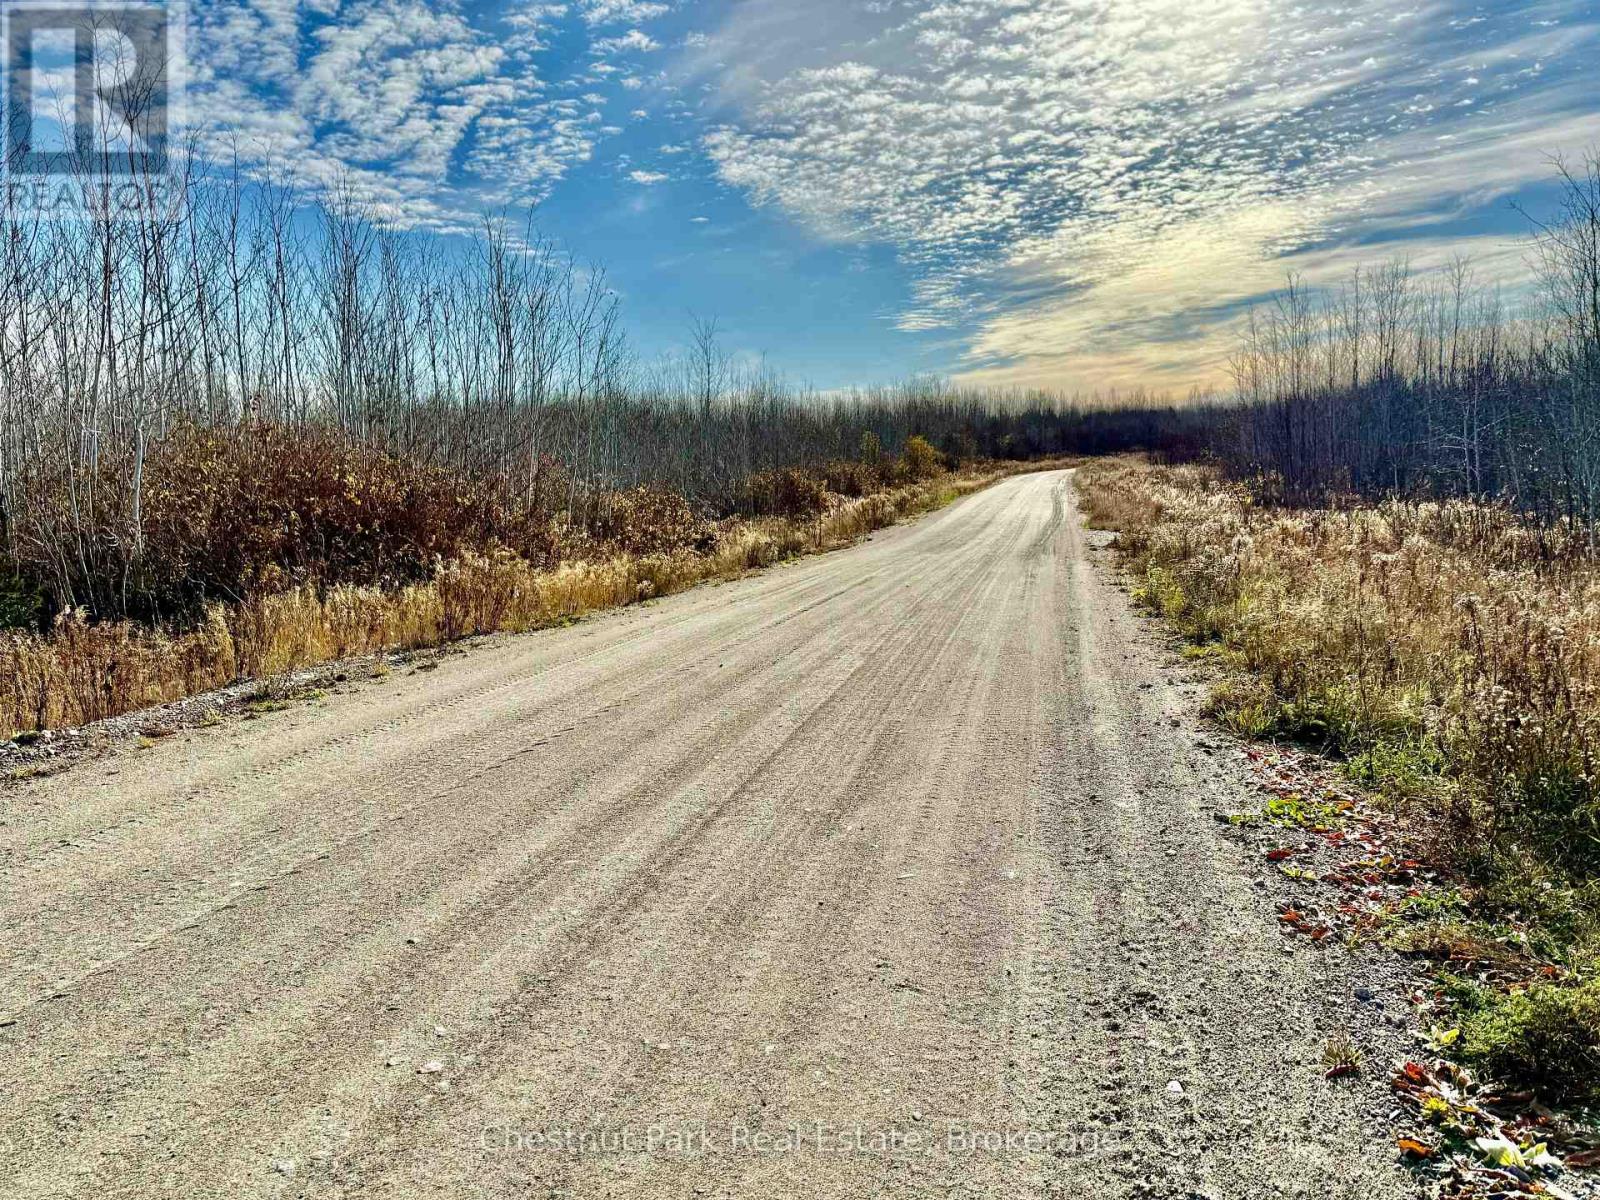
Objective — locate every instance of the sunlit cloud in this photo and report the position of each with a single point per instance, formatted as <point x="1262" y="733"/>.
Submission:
<point x="622" y="12"/>
<point x="1049" y="191"/>
<point x="1091" y="189"/>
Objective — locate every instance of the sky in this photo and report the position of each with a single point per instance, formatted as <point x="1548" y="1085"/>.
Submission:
<point x="1075" y="194"/>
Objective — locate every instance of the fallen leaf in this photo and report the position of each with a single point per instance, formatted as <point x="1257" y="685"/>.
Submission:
<point x="1501" y="1151"/>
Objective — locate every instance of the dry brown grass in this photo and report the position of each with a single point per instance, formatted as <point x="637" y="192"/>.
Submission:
<point x="1450" y="652"/>
<point x="81" y="672"/>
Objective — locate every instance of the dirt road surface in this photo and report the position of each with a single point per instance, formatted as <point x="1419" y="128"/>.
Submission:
<point x="893" y="872"/>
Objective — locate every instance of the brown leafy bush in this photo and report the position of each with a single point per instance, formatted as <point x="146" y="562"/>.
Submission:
<point x="80" y="670"/>
<point x="790" y="492"/>
<point x="233" y="513"/>
<point x="650" y="520"/>
<point x="851" y="479"/>
<point x="921" y="460"/>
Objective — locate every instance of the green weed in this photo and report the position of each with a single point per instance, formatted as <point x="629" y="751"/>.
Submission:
<point x="1547" y="1036"/>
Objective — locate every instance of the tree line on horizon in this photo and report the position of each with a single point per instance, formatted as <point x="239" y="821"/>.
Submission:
<point x="1394" y="383"/>
<point x="251" y="317"/>
<point x="271" y="335"/>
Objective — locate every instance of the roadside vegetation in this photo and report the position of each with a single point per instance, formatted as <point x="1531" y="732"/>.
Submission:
<point x="1447" y="654"/>
<point x="1389" y="543"/>
<point x="479" y="578"/>
<point x="261" y="429"/>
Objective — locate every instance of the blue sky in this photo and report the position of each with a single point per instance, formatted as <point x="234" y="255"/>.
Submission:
<point x="1071" y="193"/>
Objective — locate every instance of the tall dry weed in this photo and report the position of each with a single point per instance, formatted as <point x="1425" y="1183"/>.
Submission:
<point x="82" y="671"/>
<point x="1445" y="648"/>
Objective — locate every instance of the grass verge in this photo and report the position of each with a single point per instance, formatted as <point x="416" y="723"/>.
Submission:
<point x="1447" y="656"/>
<point x="81" y="671"/>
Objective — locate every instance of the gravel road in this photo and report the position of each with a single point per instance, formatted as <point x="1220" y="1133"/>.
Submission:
<point x="892" y="872"/>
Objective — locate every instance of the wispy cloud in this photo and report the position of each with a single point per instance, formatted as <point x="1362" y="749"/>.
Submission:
<point x="635" y="40"/>
<point x="622" y="12"/>
<point x="1095" y="186"/>
<point x="430" y="114"/>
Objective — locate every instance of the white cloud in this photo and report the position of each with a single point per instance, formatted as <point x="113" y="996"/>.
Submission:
<point x="635" y="40"/>
<point x="426" y="111"/>
<point x="622" y="12"/>
<point x="647" y="178"/>
<point x="1105" y="181"/>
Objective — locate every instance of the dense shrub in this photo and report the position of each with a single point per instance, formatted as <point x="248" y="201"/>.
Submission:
<point x="650" y="520"/>
<point x="853" y="479"/>
<point x="790" y="492"/>
<point x="921" y="460"/>
<point x="226" y="514"/>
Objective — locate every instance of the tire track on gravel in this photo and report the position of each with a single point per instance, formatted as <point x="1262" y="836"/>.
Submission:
<point x="901" y="839"/>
